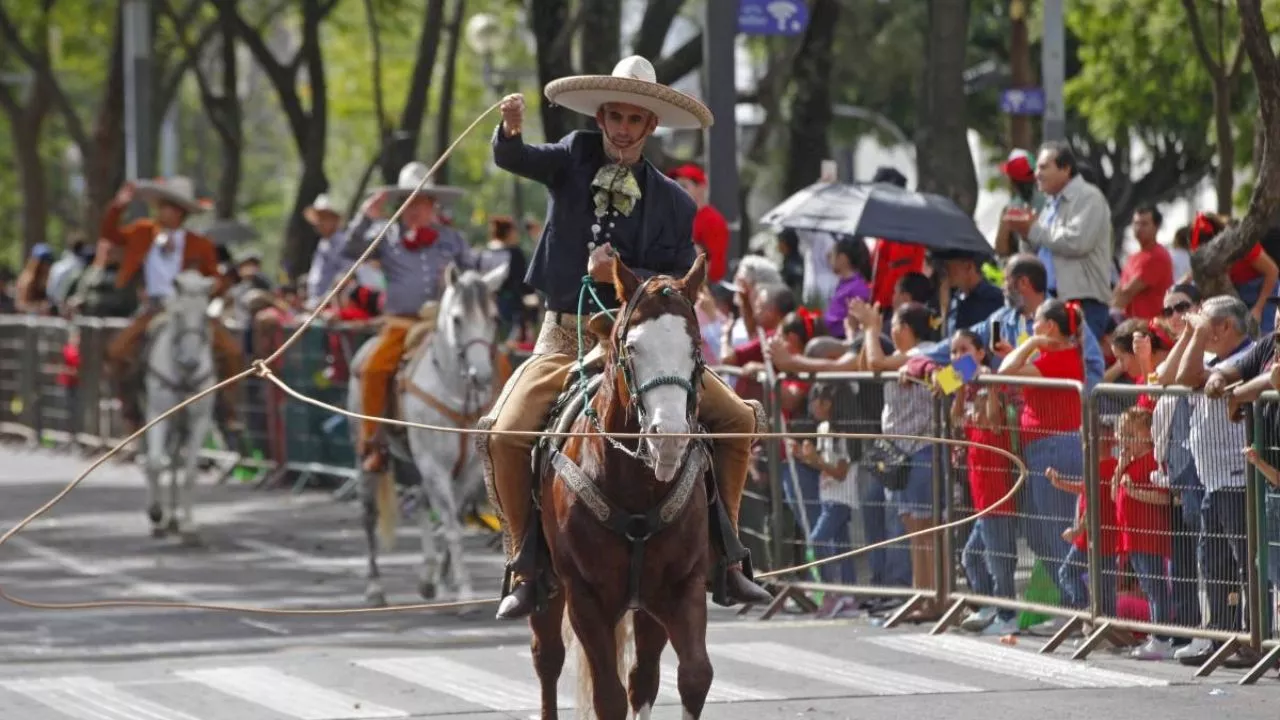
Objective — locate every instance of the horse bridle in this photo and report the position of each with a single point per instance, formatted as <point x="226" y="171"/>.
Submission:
<point x="186" y="382"/>
<point x="625" y="364"/>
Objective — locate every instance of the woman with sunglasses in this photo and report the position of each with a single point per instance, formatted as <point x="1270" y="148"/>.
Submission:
<point x="1180" y="301"/>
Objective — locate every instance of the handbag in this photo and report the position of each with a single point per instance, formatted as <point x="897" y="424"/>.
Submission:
<point x="888" y="464"/>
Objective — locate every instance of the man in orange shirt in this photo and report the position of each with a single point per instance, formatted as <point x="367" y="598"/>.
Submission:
<point x="710" y="230"/>
<point x="159" y="248"/>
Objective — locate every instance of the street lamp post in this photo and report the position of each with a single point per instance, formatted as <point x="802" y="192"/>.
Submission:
<point x="485" y="37"/>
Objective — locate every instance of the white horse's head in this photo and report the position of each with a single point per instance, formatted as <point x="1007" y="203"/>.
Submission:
<point x="661" y="358"/>
<point x="468" y="321"/>
<point x="187" y="322"/>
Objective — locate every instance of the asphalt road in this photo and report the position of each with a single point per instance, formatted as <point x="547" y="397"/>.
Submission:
<point x="275" y="549"/>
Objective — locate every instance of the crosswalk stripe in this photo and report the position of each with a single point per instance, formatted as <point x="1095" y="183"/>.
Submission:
<point x="476" y="686"/>
<point x="287" y="694"/>
<point x="837" y="671"/>
<point x="722" y="691"/>
<point x="975" y="653"/>
<point x="85" y="698"/>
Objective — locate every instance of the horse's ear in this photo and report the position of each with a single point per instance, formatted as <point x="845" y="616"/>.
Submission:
<point x="692" y="281"/>
<point x="495" y="277"/>
<point x="625" y="282"/>
<point x="451" y="275"/>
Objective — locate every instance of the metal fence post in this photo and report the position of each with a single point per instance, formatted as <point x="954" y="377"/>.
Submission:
<point x="941" y="509"/>
<point x="1093" y="502"/>
<point x="1253" y="524"/>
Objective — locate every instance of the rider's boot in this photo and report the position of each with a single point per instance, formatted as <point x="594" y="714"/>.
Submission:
<point x="524" y="589"/>
<point x="731" y="582"/>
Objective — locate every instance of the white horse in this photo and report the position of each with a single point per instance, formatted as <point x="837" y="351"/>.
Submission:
<point x="179" y="364"/>
<point x="448" y="382"/>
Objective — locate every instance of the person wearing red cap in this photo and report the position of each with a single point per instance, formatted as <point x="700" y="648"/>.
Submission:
<point x="1020" y="169"/>
<point x="710" y="231"/>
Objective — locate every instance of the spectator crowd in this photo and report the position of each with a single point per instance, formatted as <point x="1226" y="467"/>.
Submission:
<point x="1055" y="313"/>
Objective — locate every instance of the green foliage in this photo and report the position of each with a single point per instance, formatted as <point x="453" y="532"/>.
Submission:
<point x="1138" y="70"/>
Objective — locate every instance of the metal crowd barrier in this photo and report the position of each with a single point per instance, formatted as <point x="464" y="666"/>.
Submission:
<point x="1096" y="582"/>
<point x="43" y="402"/>
<point x="1042" y="566"/>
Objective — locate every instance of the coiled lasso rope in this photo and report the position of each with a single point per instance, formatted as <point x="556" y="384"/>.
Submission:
<point x="261" y="368"/>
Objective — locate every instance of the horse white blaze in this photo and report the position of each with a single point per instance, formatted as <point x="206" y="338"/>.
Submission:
<point x="662" y="347"/>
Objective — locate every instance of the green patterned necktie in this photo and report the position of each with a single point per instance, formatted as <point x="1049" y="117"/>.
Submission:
<point x="615" y="186"/>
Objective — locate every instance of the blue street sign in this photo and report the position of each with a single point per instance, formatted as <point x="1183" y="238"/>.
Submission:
<point x="1022" y="101"/>
<point x="772" y="17"/>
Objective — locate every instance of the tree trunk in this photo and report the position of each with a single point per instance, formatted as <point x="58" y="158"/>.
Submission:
<point x="444" y="113"/>
<point x="555" y="60"/>
<point x="104" y="160"/>
<point x="601" y="40"/>
<point x="26" y="132"/>
<point x="301" y="238"/>
<point x="944" y="165"/>
<point x="1209" y="264"/>
<point x="405" y="145"/>
<point x="231" y="129"/>
<point x="811" y="106"/>
<point x="1225" y="179"/>
<point x="1021" y="73"/>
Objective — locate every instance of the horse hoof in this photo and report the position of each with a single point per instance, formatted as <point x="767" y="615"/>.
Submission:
<point x="427" y="590"/>
<point x="158" y="531"/>
<point x="173" y="525"/>
<point x="376" y="598"/>
<point x="191" y="538"/>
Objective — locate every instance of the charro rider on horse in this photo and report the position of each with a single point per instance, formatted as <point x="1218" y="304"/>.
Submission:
<point x="414" y="255"/>
<point x="639" y="215"/>
<point x="159" y="249"/>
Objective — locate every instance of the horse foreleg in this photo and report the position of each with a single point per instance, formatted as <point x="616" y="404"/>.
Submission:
<point x="430" y="576"/>
<point x="437" y="485"/>
<point x="684" y="616"/>
<point x="368" y="488"/>
<point x="650" y="640"/>
<point x="153" y="467"/>
<point x="199" y="425"/>
<point x="595" y="632"/>
<point x="548" y="652"/>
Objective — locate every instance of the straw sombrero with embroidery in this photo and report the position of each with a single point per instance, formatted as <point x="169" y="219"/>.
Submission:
<point x="178" y="190"/>
<point x="633" y="82"/>
<point x="410" y="176"/>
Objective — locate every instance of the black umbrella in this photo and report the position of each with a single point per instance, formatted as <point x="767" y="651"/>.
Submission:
<point x="881" y="210"/>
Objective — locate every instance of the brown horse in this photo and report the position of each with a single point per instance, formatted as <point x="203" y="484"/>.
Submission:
<point x="626" y="529"/>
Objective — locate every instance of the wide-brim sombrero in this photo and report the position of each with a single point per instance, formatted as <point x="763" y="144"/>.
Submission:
<point x="633" y="82"/>
<point x="410" y="176"/>
<point x="177" y="190"/>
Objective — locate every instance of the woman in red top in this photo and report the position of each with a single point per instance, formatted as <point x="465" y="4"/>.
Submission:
<point x="990" y="557"/>
<point x="1254" y="275"/>
<point x="1050" y="426"/>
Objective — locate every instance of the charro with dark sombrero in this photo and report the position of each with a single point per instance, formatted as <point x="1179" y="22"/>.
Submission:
<point x="634" y="212"/>
<point x="633" y="82"/>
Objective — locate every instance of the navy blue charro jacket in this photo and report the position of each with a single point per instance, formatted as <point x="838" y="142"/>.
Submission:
<point x="656" y="239"/>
